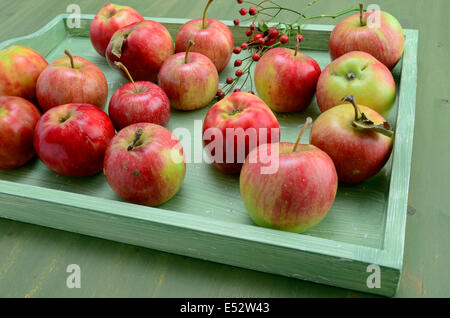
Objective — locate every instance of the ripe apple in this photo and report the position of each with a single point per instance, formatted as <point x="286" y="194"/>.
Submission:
<point x="236" y="125"/>
<point x="357" y="139"/>
<point x="142" y="47"/>
<point x="212" y="38"/>
<point x="144" y="164"/>
<point x="377" y="33"/>
<point x="108" y="20"/>
<point x="189" y="79"/>
<point x="138" y="102"/>
<point x="286" y="79"/>
<point x="71" y="139"/>
<point x="20" y="68"/>
<point x="361" y="75"/>
<point x="71" y="79"/>
<point x="298" y="195"/>
<point x="18" y="117"/>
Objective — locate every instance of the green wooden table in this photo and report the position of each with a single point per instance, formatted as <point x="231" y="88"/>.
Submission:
<point x="34" y="260"/>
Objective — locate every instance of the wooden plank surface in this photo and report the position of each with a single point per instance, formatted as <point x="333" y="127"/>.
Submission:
<point x="33" y="260"/>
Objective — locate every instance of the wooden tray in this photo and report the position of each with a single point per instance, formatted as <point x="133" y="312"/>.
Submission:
<point x="207" y="219"/>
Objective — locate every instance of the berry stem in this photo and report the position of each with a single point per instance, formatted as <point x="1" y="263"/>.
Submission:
<point x="204" y="14"/>
<point x="137" y="135"/>
<point x="305" y="126"/>
<point x="123" y="68"/>
<point x="70" y="57"/>
<point x="190" y="45"/>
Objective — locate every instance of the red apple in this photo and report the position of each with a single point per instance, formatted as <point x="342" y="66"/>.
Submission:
<point x="144" y="164"/>
<point x="286" y="79"/>
<point x="138" y="102"/>
<point x="297" y="196"/>
<point x="189" y="79"/>
<point x="20" y="68"/>
<point x="142" y="47"/>
<point x="71" y="139"/>
<point x="18" y="117"/>
<point x="358" y="152"/>
<point x="212" y="38"/>
<point x="360" y="32"/>
<point x="236" y="125"/>
<point x="71" y="79"/>
<point x="361" y="75"/>
<point x="108" y="20"/>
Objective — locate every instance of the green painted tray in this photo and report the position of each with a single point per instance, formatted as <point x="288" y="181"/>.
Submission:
<point x="207" y="219"/>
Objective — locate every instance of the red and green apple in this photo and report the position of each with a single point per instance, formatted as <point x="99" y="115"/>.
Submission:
<point x="144" y="164"/>
<point x="143" y="47"/>
<point x="212" y="38"/>
<point x="138" y="102"/>
<point x="361" y="75"/>
<point x="18" y="118"/>
<point x="190" y="80"/>
<point x="71" y="79"/>
<point x="71" y="139"/>
<point x="357" y="138"/>
<point x="20" y="68"/>
<point x="107" y="21"/>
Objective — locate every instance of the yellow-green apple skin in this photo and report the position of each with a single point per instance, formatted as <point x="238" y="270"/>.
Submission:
<point x="286" y="82"/>
<point x="358" y="74"/>
<point x="385" y="41"/>
<point x="297" y="196"/>
<point x="190" y="85"/>
<point x="357" y="154"/>
<point x="20" y="68"/>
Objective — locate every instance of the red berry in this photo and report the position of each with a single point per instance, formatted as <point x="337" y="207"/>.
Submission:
<point x="299" y="38"/>
<point x="252" y="11"/>
<point x="249" y="32"/>
<point x="237" y="50"/>
<point x="273" y="32"/>
<point x="261" y="41"/>
<point x="284" y="39"/>
<point x="252" y="92"/>
<point x="243" y="11"/>
<point x="256" y="57"/>
<point x="271" y="41"/>
<point x="221" y="96"/>
<point x="258" y="36"/>
<point x="219" y="91"/>
<point x="237" y="90"/>
<point x="229" y="80"/>
<point x="252" y="27"/>
<point x="240" y="1"/>
<point x="244" y="46"/>
<point x="239" y="73"/>
<point x="237" y="63"/>
<point x="236" y="22"/>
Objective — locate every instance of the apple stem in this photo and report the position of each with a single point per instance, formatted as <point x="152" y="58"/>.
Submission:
<point x="305" y="126"/>
<point x="204" y="14"/>
<point x="190" y="45"/>
<point x="351" y="99"/>
<point x="137" y="136"/>
<point x="361" y="14"/>
<point x="70" y="57"/>
<point x="123" y="68"/>
<point x="297" y="45"/>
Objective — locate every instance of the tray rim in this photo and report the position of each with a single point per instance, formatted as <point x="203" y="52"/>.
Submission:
<point x="390" y="256"/>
